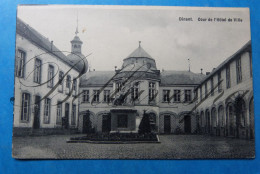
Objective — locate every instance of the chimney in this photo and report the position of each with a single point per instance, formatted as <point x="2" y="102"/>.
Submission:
<point x="201" y="71"/>
<point x="51" y="45"/>
<point x="207" y="73"/>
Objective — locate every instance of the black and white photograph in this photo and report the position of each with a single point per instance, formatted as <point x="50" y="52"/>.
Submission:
<point x="133" y="82"/>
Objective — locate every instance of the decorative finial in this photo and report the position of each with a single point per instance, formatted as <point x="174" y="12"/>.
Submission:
<point x="139" y="43"/>
<point x="77" y="25"/>
<point x="189" y="64"/>
<point x="201" y="70"/>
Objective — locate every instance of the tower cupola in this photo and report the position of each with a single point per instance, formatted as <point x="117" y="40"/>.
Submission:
<point x="76" y="43"/>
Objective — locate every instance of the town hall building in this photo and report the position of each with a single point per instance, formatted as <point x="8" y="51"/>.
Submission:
<point x="56" y="93"/>
<point x="178" y="102"/>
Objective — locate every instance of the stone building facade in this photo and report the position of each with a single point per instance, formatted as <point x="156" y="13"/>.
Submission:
<point x="166" y="96"/>
<point x="175" y="100"/>
<point x="46" y="83"/>
<point x="225" y="98"/>
<point x="55" y="93"/>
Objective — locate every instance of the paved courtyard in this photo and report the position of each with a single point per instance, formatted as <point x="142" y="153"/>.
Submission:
<point x="171" y="147"/>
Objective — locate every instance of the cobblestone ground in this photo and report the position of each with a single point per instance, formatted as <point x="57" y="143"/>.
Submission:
<point x="171" y="147"/>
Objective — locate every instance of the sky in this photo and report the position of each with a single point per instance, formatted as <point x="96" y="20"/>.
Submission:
<point x="111" y="33"/>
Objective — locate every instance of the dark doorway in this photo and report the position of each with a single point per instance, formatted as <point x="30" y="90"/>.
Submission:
<point x="65" y="122"/>
<point x="251" y="118"/>
<point x="106" y="123"/>
<point x="37" y="109"/>
<point x="167" y="124"/>
<point x="207" y="122"/>
<point x="187" y="124"/>
<point x="231" y="118"/>
<point x="87" y="124"/>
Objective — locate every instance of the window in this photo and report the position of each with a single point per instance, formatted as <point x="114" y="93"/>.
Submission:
<point x="118" y="86"/>
<point x="20" y="63"/>
<point x="25" y="112"/>
<point x="50" y="76"/>
<point x="61" y="76"/>
<point x="47" y="110"/>
<point x="68" y="81"/>
<point x="206" y="89"/>
<point x="166" y="95"/>
<point x="96" y="96"/>
<point x="122" y="121"/>
<point x="195" y="94"/>
<point x="151" y="91"/>
<point x="107" y="96"/>
<point x="85" y="96"/>
<point x="219" y="82"/>
<point x="239" y="70"/>
<point x="212" y="86"/>
<point x="250" y="64"/>
<point x="59" y="112"/>
<point x="73" y="115"/>
<point x="187" y="95"/>
<point x="228" y="76"/>
<point x="135" y="91"/>
<point x="37" y="71"/>
<point x="201" y="93"/>
<point x="177" y="95"/>
<point x="74" y="85"/>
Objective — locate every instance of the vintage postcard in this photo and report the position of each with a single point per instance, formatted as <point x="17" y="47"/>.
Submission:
<point x="132" y="82"/>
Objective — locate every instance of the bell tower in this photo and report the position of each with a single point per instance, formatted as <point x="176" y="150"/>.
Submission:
<point x="76" y="43"/>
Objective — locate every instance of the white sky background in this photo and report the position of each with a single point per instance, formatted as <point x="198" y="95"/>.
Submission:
<point x="111" y="33"/>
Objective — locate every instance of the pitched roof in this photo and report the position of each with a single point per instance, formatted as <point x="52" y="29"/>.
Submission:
<point x="169" y="78"/>
<point x="96" y="78"/>
<point x="246" y="47"/>
<point x="34" y="36"/>
<point x="139" y="52"/>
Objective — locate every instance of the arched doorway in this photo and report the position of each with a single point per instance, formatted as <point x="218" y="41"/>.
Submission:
<point x="167" y="124"/>
<point x="88" y="123"/>
<point x="202" y="121"/>
<point x="198" y="122"/>
<point x="231" y="120"/>
<point x="251" y="119"/>
<point x="240" y="112"/>
<point x="214" y="123"/>
<point x="221" y="120"/>
<point x="207" y="121"/>
<point x="187" y="124"/>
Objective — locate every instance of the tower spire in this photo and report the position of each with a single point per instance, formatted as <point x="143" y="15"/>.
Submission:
<point x="77" y="26"/>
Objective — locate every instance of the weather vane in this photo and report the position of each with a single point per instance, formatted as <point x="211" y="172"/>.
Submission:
<point x="77" y="25"/>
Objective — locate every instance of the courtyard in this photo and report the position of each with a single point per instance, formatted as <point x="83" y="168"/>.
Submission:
<point x="171" y="147"/>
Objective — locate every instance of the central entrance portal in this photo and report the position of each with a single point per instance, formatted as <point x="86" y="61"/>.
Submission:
<point x="123" y="120"/>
